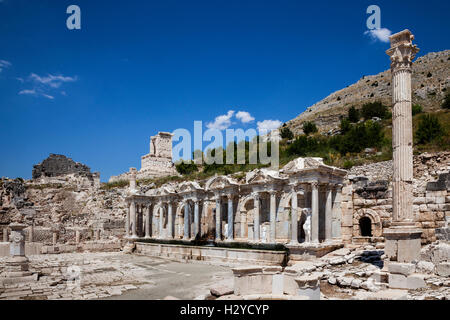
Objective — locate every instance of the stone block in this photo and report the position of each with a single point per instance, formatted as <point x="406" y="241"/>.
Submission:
<point x="311" y="281"/>
<point x="221" y="291"/>
<point x="311" y="293"/>
<point x="380" y="277"/>
<point x="415" y="281"/>
<point x="398" y="281"/>
<point x="401" y="268"/>
<point x="425" y="266"/>
<point x="408" y="250"/>
<point x="443" y="269"/>
<point x="278" y="284"/>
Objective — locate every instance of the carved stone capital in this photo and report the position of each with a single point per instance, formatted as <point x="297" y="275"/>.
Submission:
<point x="402" y="51"/>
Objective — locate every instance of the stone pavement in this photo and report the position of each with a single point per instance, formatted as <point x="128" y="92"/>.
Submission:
<point x="85" y="276"/>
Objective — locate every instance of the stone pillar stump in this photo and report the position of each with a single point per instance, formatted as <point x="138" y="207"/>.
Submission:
<point x="17" y="264"/>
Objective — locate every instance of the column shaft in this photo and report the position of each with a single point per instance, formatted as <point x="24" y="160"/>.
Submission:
<point x="186" y="221"/>
<point x="147" y="222"/>
<point x="328" y="213"/>
<point x="161" y="221"/>
<point x="170" y="220"/>
<point x="230" y="235"/>
<point x="294" y="217"/>
<point x="127" y="221"/>
<point x="257" y="219"/>
<point x="273" y="216"/>
<point x="196" y="219"/>
<point x="337" y="212"/>
<point x="315" y="213"/>
<point x="218" y="219"/>
<point x="133" y="219"/>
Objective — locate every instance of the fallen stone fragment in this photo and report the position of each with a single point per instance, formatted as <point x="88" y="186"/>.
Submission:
<point x="221" y="291"/>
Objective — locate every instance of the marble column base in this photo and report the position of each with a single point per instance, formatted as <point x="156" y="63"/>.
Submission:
<point x="16" y="267"/>
<point x="403" y="242"/>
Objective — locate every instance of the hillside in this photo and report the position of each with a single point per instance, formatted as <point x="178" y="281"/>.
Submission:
<point x="431" y="77"/>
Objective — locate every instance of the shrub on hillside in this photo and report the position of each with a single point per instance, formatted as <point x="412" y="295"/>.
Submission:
<point x="186" y="167"/>
<point x="309" y="127"/>
<point x="416" y="109"/>
<point x="286" y="133"/>
<point x="345" y="126"/>
<point x="446" y="103"/>
<point x="375" y="109"/>
<point x="353" y="115"/>
<point x="429" y="129"/>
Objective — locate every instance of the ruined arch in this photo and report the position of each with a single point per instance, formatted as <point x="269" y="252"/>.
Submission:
<point x="360" y="219"/>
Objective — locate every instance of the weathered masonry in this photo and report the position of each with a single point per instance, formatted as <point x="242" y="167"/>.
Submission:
<point x="300" y="203"/>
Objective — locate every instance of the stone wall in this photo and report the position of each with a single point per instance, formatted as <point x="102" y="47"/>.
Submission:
<point x="59" y="165"/>
<point x="368" y="193"/>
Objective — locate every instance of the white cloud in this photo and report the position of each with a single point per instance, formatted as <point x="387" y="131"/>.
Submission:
<point x="221" y="122"/>
<point x="33" y="92"/>
<point x="268" y="125"/>
<point x="244" y="117"/>
<point x="51" y="80"/>
<point x="43" y="86"/>
<point x="382" y="34"/>
<point x="30" y="92"/>
<point x="4" y="64"/>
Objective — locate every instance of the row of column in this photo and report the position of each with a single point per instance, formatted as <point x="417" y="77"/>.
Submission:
<point x="331" y="207"/>
<point x="332" y="223"/>
<point x="132" y="220"/>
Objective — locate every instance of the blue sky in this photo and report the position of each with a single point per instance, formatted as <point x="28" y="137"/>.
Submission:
<point x="138" y="67"/>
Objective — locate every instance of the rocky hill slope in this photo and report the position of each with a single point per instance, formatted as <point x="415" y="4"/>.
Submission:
<point x="430" y="80"/>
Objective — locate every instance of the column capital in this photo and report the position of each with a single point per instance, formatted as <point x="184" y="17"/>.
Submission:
<point x="402" y="51"/>
<point x="256" y="195"/>
<point x="314" y="185"/>
<point x="338" y="187"/>
<point x="230" y="196"/>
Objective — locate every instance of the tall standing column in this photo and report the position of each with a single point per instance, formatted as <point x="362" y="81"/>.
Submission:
<point x="402" y="238"/>
<point x="402" y="53"/>
<point x="337" y="212"/>
<point x="147" y="221"/>
<point x="170" y="220"/>
<point x="186" y="220"/>
<point x="133" y="219"/>
<point x="230" y="231"/>
<point x="315" y="212"/>
<point x="196" y="218"/>
<point x="328" y="213"/>
<point x="218" y="219"/>
<point x="273" y="215"/>
<point x="294" y="216"/>
<point x="257" y="217"/>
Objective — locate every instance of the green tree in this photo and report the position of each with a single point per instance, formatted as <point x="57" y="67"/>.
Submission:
<point x="416" y="109"/>
<point x="353" y="115"/>
<point x="186" y="167"/>
<point x="309" y="127"/>
<point x="374" y="109"/>
<point x="429" y="129"/>
<point x="446" y="103"/>
<point x="286" y="133"/>
<point x="345" y="126"/>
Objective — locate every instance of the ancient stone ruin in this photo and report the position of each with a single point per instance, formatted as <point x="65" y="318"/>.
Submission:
<point x="59" y="165"/>
<point x="158" y="163"/>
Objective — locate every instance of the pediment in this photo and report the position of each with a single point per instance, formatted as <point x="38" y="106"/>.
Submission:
<point x="220" y="182"/>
